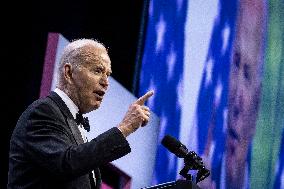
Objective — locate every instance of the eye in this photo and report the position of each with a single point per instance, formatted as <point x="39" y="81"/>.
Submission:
<point x="247" y="72"/>
<point x="97" y="71"/>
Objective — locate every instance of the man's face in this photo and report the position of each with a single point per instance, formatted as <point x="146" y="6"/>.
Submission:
<point x="244" y="96"/>
<point x="245" y="88"/>
<point x="90" y="79"/>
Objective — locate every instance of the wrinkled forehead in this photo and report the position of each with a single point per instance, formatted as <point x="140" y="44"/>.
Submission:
<point x="95" y="55"/>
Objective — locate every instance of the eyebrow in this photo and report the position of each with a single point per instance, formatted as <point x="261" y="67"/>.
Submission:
<point x="100" y="66"/>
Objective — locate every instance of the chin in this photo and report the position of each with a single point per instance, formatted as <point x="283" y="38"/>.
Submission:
<point x="96" y="106"/>
<point x="92" y="108"/>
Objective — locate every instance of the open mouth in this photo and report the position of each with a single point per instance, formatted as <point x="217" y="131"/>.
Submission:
<point x="100" y="94"/>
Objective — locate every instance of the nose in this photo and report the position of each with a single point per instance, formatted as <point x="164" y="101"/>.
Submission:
<point x="238" y="108"/>
<point x="104" y="81"/>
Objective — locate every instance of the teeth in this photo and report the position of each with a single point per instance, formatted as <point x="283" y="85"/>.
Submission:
<point x="100" y="93"/>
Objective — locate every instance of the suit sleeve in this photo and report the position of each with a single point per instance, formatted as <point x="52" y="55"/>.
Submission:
<point x="51" y="147"/>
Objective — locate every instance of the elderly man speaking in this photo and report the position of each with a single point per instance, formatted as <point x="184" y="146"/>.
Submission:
<point x="48" y="148"/>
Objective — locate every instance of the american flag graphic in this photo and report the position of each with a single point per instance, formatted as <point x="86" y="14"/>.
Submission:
<point x="162" y="71"/>
<point x="186" y="61"/>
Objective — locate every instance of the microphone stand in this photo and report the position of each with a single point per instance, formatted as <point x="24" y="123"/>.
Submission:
<point x="184" y="172"/>
<point x="191" y="162"/>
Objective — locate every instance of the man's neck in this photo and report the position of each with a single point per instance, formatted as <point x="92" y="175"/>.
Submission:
<point x="68" y="101"/>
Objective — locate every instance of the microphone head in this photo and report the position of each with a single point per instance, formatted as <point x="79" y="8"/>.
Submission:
<point x="174" y="146"/>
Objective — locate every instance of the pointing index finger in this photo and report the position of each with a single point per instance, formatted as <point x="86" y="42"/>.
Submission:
<point x="145" y="97"/>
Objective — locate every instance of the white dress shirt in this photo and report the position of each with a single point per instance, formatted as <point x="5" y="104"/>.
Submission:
<point x="73" y="109"/>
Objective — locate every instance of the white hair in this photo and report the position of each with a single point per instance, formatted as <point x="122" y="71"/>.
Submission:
<point x="74" y="50"/>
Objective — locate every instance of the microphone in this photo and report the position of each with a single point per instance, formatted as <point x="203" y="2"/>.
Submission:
<point x="180" y="150"/>
<point x="175" y="146"/>
<point x="192" y="160"/>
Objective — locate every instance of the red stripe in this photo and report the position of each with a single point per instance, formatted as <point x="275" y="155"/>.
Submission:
<point x="49" y="62"/>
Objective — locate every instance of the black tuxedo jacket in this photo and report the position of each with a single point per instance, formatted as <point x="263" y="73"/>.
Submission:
<point x="47" y="150"/>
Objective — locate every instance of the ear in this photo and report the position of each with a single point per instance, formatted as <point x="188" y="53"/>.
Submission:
<point x="68" y="71"/>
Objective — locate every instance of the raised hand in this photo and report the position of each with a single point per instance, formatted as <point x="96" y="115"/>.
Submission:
<point x="137" y="115"/>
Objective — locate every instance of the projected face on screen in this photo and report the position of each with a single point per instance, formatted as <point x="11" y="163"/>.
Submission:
<point x="244" y="88"/>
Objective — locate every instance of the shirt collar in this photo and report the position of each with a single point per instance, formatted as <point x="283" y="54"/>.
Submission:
<point x="69" y="103"/>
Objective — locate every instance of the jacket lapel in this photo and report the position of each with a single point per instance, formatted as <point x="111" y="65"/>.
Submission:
<point x="69" y="117"/>
<point x="75" y="130"/>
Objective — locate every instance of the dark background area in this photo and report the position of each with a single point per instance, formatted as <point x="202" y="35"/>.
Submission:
<point x="25" y="27"/>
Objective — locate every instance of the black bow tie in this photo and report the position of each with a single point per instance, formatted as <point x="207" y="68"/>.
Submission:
<point x="83" y="121"/>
